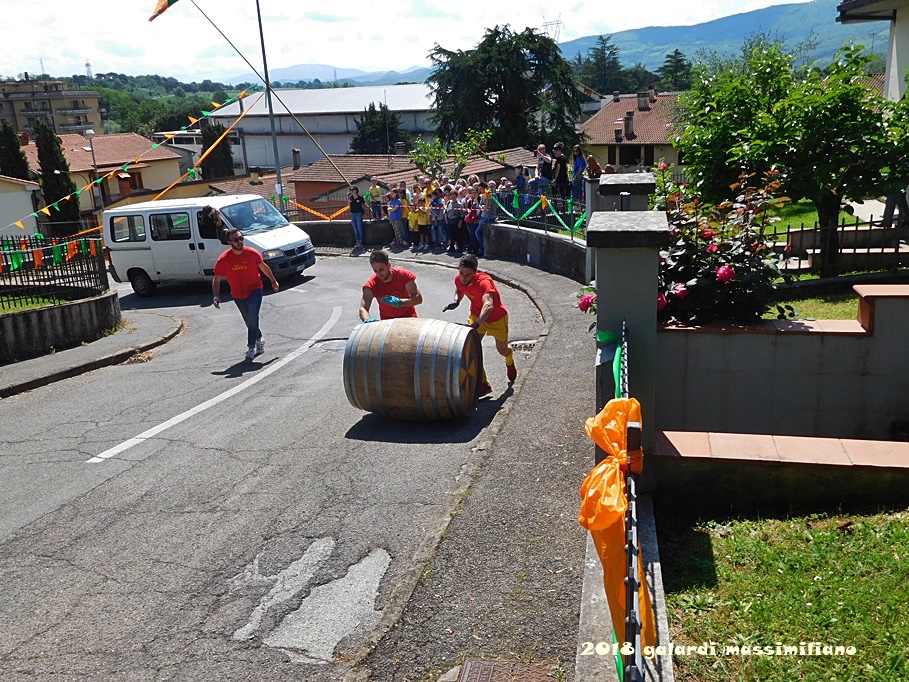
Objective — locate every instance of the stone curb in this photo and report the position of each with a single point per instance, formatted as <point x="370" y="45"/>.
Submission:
<point x="114" y="358"/>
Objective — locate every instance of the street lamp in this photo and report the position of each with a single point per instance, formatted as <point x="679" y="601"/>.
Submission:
<point x="90" y="134"/>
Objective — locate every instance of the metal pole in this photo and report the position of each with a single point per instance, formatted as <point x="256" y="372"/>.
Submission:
<point x="279" y="187"/>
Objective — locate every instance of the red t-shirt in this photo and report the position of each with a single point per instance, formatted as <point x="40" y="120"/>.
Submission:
<point x="396" y="287"/>
<point x="482" y="284"/>
<point x="241" y="271"/>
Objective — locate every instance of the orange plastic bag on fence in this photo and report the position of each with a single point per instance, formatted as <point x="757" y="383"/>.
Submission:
<point x="603" y="507"/>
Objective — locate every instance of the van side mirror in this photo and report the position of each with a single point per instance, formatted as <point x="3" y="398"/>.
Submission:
<point x="222" y="236"/>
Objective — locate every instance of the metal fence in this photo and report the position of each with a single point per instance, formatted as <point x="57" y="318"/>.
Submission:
<point x="38" y="271"/>
<point x="853" y="246"/>
<point x="633" y="663"/>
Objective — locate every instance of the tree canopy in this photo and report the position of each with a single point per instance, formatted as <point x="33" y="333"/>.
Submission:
<point x="56" y="186"/>
<point x="377" y="131"/>
<point x="516" y="84"/>
<point x="828" y="132"/>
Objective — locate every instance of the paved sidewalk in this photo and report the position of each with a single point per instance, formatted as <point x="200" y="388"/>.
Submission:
<point x="141" y="332"/>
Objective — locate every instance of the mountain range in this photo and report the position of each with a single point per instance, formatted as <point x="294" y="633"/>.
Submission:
<point x="649" y="46"/>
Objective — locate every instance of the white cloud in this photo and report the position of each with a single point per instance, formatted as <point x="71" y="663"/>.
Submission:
<point x="183" y="44"/>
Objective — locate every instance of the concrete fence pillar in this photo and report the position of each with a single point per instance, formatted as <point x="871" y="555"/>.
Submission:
<point x="627" y="251"/>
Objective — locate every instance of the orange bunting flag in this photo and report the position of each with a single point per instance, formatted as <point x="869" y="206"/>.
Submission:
<point x="91" y="248"/>
<point x="543" y="202"/>
<point x="161" y="8"/>
<point x="23" y="245"/>
<point x="39" y="257"/>
<point x="72" y="249"/>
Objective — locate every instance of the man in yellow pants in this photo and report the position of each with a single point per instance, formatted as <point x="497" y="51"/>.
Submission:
<point x="487" y="314"/>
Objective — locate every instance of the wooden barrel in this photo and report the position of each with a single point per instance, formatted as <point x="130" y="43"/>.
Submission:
<point x="413" y="368"/>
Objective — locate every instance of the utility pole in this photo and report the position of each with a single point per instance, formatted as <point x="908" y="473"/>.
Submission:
<point x="279" y="187"/>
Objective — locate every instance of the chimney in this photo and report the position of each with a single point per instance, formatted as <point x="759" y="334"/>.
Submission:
<point x="23" y="139"/>
<point x="400" y="149"/>
<point x="643" y="101"/>
<point x="254" y="175"/>
<point x="653" y="93"/>
<point x="615" y="95"/>
<point x="618" y="134"/>
<point x="296" y="153"/>
<point x="629" y="125"/>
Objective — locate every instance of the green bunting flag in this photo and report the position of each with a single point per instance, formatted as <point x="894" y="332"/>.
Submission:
<point x="515" y="200"/>
<point x="84" y="246"/>
<point x="57" y="254"/>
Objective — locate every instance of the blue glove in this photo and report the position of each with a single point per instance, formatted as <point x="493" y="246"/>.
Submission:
<point x="393" y="301"/>
<point x="370" y="319"/>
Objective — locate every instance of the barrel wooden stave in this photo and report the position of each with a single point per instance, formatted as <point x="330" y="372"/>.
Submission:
<point x="413" y="368"/>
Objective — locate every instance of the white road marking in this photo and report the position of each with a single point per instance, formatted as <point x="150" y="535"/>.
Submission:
<point x="173" y="421"/>
<point x="296" y="291"/>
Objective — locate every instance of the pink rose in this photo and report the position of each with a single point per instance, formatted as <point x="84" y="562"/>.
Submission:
<point x="661" y="301"/>
<point x="586" y="301"/>
<point x="662" y="166"/>
<point x="725" y="273"/>
<point x="679" y="290"/>
<point x="707" y="233"/>
<point x="713" y="248"/>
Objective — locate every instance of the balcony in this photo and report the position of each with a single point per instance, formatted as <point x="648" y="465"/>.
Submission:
<point x="38" y="112"/>
<point x="84" y="110"/>
<point x="76" y="126"/>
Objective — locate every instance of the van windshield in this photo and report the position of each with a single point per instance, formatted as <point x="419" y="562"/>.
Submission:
<point x="254" y="216"/>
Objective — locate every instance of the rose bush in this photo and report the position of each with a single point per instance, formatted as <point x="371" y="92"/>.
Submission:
<point x="720" y="264"/>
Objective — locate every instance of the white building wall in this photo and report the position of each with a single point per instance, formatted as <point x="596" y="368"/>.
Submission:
<point x="897" y="56"/>
<point x="16" y="204"/>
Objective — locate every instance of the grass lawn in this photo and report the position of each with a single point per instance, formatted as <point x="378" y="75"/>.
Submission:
<point x="15" y="306"/>
<point x="796" y="214"/>
<point x="838" y="580"/>
<point x="827" y="307"/>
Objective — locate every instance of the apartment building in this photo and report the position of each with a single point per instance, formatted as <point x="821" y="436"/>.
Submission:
<point x="25" y="102"/>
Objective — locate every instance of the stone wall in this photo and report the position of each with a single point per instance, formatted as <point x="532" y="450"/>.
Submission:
<point x="39" y="331"/>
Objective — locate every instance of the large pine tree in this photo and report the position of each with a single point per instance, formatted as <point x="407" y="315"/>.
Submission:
<point x="12" y="159"/>
<point x="516" y="84"/>
<point x="64" y="217"/>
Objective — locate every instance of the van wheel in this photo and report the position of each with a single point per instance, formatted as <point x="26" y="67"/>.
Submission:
<point x="142" y="283"/>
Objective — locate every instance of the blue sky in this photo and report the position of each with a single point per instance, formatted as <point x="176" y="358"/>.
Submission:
<point x="361" y="34"/>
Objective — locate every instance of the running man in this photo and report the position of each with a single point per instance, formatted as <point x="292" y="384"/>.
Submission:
<point x="241" y="266"/>
<point x="487" y="314"/>
<point x="396" y="289"/>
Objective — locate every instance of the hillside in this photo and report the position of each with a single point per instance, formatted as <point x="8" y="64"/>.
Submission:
<point x="793" y="23"/>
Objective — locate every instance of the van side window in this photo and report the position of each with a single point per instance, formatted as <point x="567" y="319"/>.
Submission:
<point x="169" y="226"/>
<point x="127" y="228"/>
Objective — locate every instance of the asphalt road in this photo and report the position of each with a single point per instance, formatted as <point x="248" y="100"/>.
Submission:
<point x="199" y="517"/>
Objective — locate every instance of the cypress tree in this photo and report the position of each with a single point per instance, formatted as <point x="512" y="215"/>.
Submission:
<point x="220" y="163"/>
<point x="12" y="159"/>
<point x="64" y="219"/>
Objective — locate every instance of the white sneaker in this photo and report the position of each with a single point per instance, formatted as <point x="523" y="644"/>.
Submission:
<point x="260" y="346"/>
<point x="250" y="353"/>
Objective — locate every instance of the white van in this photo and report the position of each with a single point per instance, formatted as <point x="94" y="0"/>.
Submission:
<point x="160" y="241"/>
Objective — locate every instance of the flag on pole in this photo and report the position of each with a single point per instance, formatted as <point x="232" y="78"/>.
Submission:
<point x="161" y="8"/>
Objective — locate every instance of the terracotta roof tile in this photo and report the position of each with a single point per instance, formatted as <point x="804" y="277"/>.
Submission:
<point x="653" y="126"/>
<point x="391" y="168"/>
<point x="110" y="151"/>
<point x="19" y="181"/>
<point x="264" y="188"/>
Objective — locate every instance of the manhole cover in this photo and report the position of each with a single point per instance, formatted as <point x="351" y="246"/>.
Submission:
<point x="506" y="671"/>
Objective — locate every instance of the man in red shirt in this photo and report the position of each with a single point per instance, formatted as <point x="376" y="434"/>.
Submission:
<point x="487" y="314"/>
<point x="241" y="266"/>
<point x="395" y="288"/>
